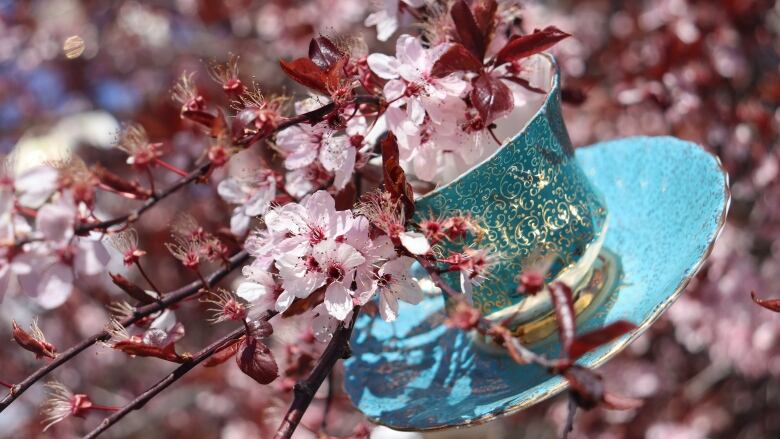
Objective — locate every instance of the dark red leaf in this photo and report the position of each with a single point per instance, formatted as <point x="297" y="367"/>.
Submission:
<point x="345" y="198"/>
<point x="260" y="329"/>
<point x="306" y="73"/>
<point x="257" y="361"/>
<point x="135" y="347"/>
<point x="324" y="53"/>
<point x="394" y="177"/>
<point x="199" y="117"/>
<point x="586" y="386"/>
<point x="334" y="75"/>
<point x="131" y="289"/>
<point x="223" y="354"/>
<point x="491" y="97"/>
<point x="119" y="184"/>
<point x="220" y="126"/>
<point x="300" y="306"/>
<point x="455" y="59"/>
<point x="485" y="16"/>
<point x="34" y="343"/>
<point x="524" y="46"/>
<point x="591" y="340"/>
<point x="564" y="314"/>
<point x="770" y="304"/>
<point x="468" y="30"/>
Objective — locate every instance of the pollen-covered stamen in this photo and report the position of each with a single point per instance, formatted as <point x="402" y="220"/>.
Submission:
<point x="227" y="307"/>
<point x="134" y="141"/>
<point x="61" y="403"/>
<point x="186" y="95"/>
<point x="311" y="264"/>
<point x="316" y="235"/>
<point x="335" y="272"/>
<point x="187" y="251"/>
<point x="126" y="243"/>
<point x="227" y="75"/>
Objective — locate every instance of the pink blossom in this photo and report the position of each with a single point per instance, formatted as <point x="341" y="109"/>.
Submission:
<point x="396" y="283"/>
<point x="338" y="262"/>
<point x="388" y="18"/>
<point x="252" y="192"/>
<point x="62" y="257"/>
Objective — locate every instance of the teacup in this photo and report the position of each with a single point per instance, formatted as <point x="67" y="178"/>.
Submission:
<point x="533" y="202"/>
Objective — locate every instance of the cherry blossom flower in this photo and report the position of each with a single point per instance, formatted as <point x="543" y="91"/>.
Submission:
<point x="336" y="154"/>
<point x="62" y="257"/>
<point x="35" y="185"/>
<point x="253" y="194"/>
<point x="388" y="18"/>
<point x="338" y="262"/>
<point x="424" y="109"/>
<point x="396" y="283"/>
<point x="263" y="291"/>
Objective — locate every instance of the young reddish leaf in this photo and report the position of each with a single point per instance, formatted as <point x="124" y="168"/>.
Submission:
<point x="455" y="59"/>
<point x="468" y="30"/>
<point x="394" y="177"/>
<point x="260" y="329"/>
<point x="135" y="347"/>
<point x="199" y="117"/>
<point x="324" y="53"/>
<point x="257" y="361"/>
<point x="334" y="75"/>
<point x="306" y="73"/>
<point x="586" y="386"/>
<point x="573" y="95"/>
<point x="770" y="304"/>
<point x="34" y="342"/>
<point x="485" y="16"/>
<point x="591" y="340"/>
<point x="220" y="126"/>
<point x="300" y="306"/>
<point x="119" y="184"/>
<point x="491" y="97"/>
<point x="524" y="46"/>
<point x="223" y="354"/>
<point x="131" y="289"/>
<point x="564" y="314"/>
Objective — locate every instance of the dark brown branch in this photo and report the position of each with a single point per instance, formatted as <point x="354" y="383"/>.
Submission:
<point x="167" y="300"/>
<point x="487" y="326"/>
<point x="133" y="216"/>
<point x="174" y="376"/>
<point x="305" y="390"/>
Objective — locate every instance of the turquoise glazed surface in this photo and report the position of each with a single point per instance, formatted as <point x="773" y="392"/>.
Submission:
<point x="667" y="201"/>
<point x="530" y="197"/>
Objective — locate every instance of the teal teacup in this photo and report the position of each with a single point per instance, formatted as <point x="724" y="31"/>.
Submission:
<point x="533" y="201"/>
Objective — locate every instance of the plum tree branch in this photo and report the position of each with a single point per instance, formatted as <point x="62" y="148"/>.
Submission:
<point x="171" y="378"/>
<point x="304" y="391"/>
<point x="167" y="300"/>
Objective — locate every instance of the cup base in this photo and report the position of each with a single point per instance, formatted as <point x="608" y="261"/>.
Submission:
<point x="592" y="295"/>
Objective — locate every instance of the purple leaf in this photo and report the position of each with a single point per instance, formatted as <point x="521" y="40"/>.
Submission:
<point x="491" y="97"/>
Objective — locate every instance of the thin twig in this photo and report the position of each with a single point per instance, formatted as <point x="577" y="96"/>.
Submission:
<point x="572" y="410"/>
<point x="174" y="376"/>
<point x="304" y="391"/>
<point x="167" y="300"/>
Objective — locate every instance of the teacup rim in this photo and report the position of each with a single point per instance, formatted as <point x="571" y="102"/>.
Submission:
<point x="554" y="87"/>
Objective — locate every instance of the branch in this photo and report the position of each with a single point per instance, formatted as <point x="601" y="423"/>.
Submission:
<point x="174" y="376"/>
<point x="305" y="390"/>
<point x="167" y="300"/>
<point x="516" y="349"/>
<point x="133" y="216"/>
